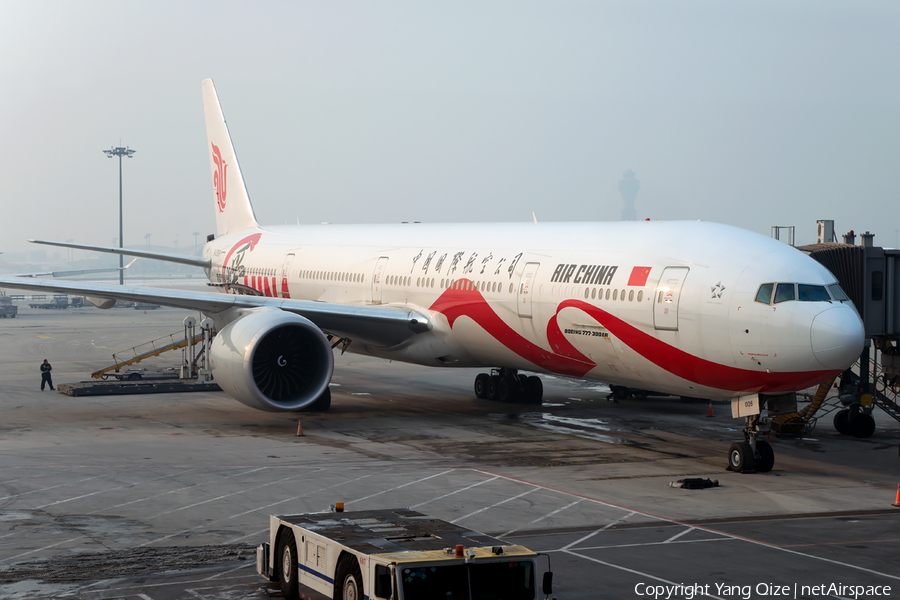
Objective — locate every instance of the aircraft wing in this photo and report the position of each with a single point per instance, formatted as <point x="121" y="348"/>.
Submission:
<point x="175" y="258"/>
<point x="381" y="326"/>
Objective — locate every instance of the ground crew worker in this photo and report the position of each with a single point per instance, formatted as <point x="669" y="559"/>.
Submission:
<point x="45" y="375"/>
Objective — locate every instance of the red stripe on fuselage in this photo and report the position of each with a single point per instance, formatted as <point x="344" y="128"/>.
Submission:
<point x="565" y="359"/>
<point x="695" y="369"/>
<point x="455" y="303"/>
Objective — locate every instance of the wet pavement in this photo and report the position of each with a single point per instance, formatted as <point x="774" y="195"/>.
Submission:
<point x="165" y="496"/>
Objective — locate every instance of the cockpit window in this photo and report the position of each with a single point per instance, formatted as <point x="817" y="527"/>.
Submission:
<point x="837" y="293"/>
<point x="812" y="293"/>
<point x="764" y="294"/>
<point x="784" y="292"/>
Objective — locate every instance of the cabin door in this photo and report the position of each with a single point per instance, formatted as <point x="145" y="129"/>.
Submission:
<point x="668" y="293"/>
<point x="526" y="289"/>
<point x="378" y="279"/>
<point x="285" y="269"/>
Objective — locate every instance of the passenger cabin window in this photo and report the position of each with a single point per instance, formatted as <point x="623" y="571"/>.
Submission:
<point x="812" y="293"/>
<point x="784" y="292"/>
<point x="764" y="294"/>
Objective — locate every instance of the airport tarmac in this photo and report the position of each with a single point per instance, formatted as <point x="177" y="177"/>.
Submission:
<point x="165" y="496"/>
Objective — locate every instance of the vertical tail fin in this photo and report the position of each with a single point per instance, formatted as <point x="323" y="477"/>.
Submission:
<point x="233" y="209"/>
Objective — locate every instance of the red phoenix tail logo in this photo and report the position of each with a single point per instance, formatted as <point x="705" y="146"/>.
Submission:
<point x="219" y="176"/>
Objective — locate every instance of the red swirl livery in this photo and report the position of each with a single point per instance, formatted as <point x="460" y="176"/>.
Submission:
<point x="687" y="308"/>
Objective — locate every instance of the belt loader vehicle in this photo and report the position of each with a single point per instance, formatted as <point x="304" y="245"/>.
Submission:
<point x="393" y="554"/>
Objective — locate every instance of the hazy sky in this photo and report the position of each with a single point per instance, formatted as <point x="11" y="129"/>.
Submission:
<point x="748" y="113"/>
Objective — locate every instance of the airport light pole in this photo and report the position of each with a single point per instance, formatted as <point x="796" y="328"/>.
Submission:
<point x="120" y="152"/>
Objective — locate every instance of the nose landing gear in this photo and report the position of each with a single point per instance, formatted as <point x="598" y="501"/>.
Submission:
<point x="752" y="455"/>
<point x="506" y="385"/>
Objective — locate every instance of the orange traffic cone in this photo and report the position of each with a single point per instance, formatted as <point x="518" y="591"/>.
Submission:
<point x="709" y="413"/>
<point x="897" y="501"/>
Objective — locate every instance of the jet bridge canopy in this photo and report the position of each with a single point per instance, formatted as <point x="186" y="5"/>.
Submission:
<point x="871" y="277"/>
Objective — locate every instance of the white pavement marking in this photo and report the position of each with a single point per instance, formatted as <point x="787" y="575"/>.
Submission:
<point x="550" y="514"/>
<point x="496" y="504"/>
<point x="217" y="575"/>
<point x="678" y="535"/>
<point x="50" y="488"/>
<point x="454" y="492"/>
<point x="604" y="528"/>
<point x="144" y="597"/>
<point x="293" y="497"/>
<point x="621" y="568"/>
<point x="44" y="548"/>
<point x="401" y="486"/>
<point x="701" y="528"/>
<point x="260" y="532"/>
<point x="639" y="544"/>
<point x="822" y="558"/>
<point x="144" y="586"/>
<point x="125" y="485"/>
<point x="243" y="491"/>
<point x="181" y="489"/>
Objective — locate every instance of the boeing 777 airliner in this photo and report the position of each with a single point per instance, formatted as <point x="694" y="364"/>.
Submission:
<point x="688" y="308"/>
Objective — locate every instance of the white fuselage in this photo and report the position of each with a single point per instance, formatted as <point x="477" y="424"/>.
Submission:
<point x="663" y="306"/>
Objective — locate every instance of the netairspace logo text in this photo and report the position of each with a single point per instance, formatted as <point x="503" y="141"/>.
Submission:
<point x="760" y="590"/>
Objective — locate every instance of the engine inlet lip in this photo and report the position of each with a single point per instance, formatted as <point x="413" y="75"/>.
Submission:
<point x="313" y="334"/>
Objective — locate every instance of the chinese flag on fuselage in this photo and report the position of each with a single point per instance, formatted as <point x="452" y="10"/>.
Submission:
<point x="639" y="276"/>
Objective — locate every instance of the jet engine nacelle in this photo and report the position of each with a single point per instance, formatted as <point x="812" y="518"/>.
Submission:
<point x="272" y="360"/>
<point x="103" y="303"/>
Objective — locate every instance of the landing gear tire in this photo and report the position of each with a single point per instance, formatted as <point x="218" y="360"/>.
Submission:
<point x="322" y="403"/>
<point x="348" y="583"/>
<point x="862" y="425"/>
<point x="534" y="390"/>
<point x="507" y="390"/>
<point x="740" y="458"/>
<point x="493" y="391"/>
<point x="842" y="421"/>
<point x="618" y="392"/>
<point x="765" y="456"/>
<point x="288" y="577"/>
<point x="481" y="385"/>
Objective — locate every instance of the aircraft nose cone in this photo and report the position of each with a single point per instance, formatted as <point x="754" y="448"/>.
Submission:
<point x="837" y="337"/>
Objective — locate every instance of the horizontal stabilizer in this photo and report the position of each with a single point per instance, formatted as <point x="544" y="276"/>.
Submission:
<point x="75" y="272"/>
<point x="174" y="258"/>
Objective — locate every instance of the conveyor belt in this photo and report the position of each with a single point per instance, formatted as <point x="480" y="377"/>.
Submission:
<point x="138" y="357"/>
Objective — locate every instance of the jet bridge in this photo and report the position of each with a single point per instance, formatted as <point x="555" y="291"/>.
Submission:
<point x="870" y="275"/>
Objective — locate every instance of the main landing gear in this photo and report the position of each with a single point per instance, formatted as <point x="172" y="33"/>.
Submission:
<point x="855" y="421"/>
<point x="752" y="455"/>
<point x="506" y="385"/>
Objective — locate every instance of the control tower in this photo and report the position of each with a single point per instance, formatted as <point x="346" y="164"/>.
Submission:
<point x="629" y="187"/>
